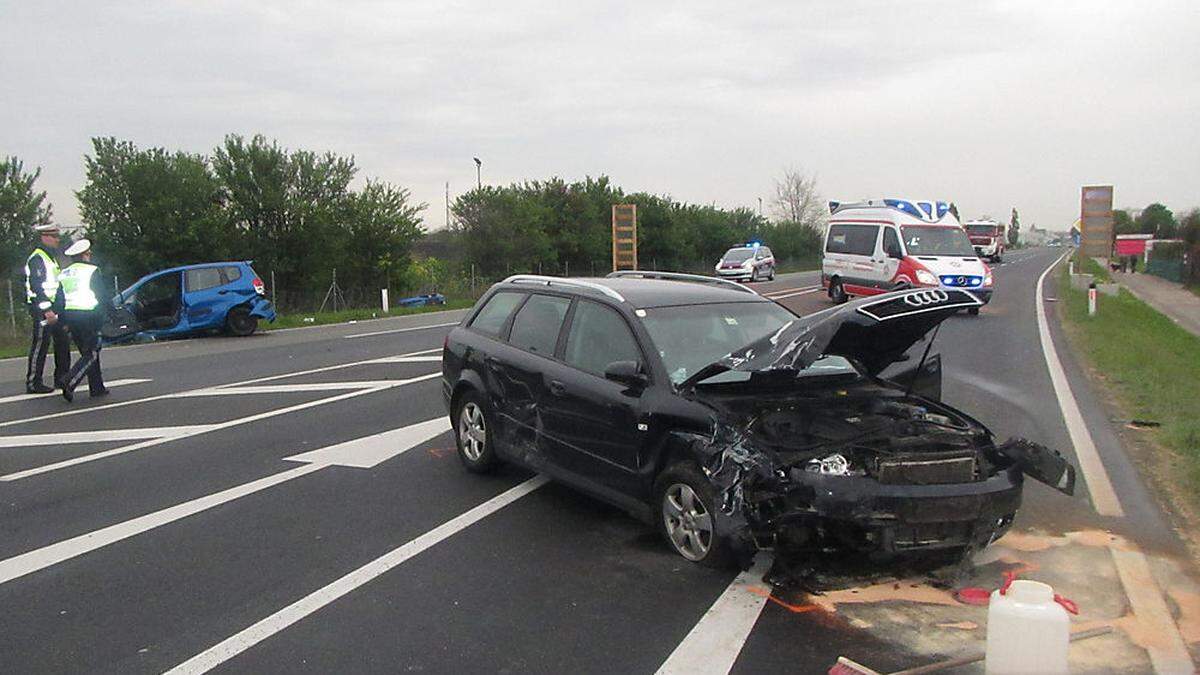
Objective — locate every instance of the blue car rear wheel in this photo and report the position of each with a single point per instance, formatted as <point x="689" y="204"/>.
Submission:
<point x="240" y="323"/>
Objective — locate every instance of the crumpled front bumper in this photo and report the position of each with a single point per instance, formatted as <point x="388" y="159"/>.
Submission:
<point x="868" y="515"/>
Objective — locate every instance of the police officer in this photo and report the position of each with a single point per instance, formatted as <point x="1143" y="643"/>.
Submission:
<point x="83" y="313"/>
<point x="45" y="301"/>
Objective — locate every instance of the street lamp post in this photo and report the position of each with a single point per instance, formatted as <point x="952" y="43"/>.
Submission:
<point x="478" y="173"/>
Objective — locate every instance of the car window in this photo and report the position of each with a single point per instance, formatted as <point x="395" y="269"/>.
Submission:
<point x="538" y="323"/>
<point x="598" y="337"/>
<point x="203" y="278"/>
<point x="767" y="252"/>
<point x="855" y="239"/>
<point x="490" y="320"/>
<point x="891" y="243"/>
<point x="232" y="274"/>
<point x="737" y="255"/>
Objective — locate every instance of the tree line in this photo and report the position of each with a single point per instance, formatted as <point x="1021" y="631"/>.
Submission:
<point x="558" y="225"/>
<point x="293" y="212"/>
<point x="1158" y="220"/>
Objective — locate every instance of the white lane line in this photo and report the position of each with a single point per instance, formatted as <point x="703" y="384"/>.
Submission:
<point x="1168" y="654"/>
<point x="792" y="295"/>
<point x="102" y="436"/>
<point x="362" y="453"/>
<point x="213" y="427"/>
<point x="160" y="397"/>
<point x="787" y="291"/>
<point x="110" y="385"/>
<point x="277" y="622"/>
<point x="714" y="643"/>
<point x="1104" y="497"/>
<point x="285" y="388"/>
<point x="436" y="358"/>
<point x="402" y="330"/>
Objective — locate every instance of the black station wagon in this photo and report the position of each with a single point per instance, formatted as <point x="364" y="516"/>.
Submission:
<point x="731" y="423"/>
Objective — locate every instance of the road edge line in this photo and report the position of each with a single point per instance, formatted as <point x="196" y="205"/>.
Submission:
<point x="318" y="599"/>
<point x="1100" y="489"/>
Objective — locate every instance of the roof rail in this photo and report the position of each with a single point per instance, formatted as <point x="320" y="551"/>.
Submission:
<point x="678" y="276"/>
<point x="560" y="281"/>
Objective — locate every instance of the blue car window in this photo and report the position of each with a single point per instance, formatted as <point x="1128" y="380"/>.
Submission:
<point x="231" y="273"/>
<point x="203" y="278"/>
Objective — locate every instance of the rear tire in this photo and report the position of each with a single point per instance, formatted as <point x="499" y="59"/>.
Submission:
<point x="837" y="292"/>
<point x="240" y="323"/>
<point x="973" y="311"/>
<point x="689" y="517"/>
<point x="473" y="436"/>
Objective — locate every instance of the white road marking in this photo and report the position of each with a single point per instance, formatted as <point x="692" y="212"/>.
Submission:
<point x="411" y="359"/>
<point x="1168" y="654"/>
<point x="285" y="388"/>
<point x="209" y="428"/>
<point x="1137" y="580"/>
<point x="1104" y="497"/>
<point x="805" y="291"/>
<point x="159" y="397"/>
<point x="102" y="436"/>
<point x="110" y="385"/>
<point x="714" y="643"/>
<point x="363" y="453"/>
<point x="401" y="330"/>
<point x="277" y="622"/>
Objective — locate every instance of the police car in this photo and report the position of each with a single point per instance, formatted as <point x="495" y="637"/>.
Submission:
<point x="751" y="262"/>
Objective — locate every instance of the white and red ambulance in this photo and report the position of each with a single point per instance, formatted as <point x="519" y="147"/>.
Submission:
<point x="884" y="245"/>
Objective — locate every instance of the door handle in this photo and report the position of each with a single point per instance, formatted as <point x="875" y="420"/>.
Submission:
<point x="222" y="292"/>
<point x="558" y="388"/>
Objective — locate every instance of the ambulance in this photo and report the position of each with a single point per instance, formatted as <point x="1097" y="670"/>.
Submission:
<point x="884" y="245"/>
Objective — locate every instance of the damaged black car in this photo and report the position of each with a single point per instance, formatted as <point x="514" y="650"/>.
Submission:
<point x="732" y="424"/>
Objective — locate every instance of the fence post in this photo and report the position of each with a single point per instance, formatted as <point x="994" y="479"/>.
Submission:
<point x="383" y="293"/>
<point x="566" y="268"/>
<point x="472" y="277"/>
<point x="593" y="268"/>
<point x="12" y="310"/>
<point x="273" y="301"/>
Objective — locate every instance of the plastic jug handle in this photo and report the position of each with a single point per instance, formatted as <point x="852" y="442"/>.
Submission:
<point x="1009" y="577"/>
<point x="1067" y="604"/>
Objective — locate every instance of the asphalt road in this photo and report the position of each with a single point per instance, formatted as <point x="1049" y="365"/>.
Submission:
<point x="172" y="529"/>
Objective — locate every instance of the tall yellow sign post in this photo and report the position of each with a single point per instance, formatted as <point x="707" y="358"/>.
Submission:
<point x="1096" y="221"/>
<point x="624" y="237"/>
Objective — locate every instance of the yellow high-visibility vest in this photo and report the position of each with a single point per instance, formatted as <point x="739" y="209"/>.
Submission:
<point x="50" y="285"/>
<point x="76" y="283"/>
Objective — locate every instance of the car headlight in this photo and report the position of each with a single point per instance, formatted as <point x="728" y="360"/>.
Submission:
<point x="987" y="278"/>
<point x="926" y="277"/>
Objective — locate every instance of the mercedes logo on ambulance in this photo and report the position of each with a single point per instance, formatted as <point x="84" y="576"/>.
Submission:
<point x="924" y="298"/>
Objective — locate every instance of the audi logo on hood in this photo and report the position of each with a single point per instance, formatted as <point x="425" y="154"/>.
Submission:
<point x="923" y="298"/>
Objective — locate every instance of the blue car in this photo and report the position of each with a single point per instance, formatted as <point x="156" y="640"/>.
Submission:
<point x="180" y="301"/>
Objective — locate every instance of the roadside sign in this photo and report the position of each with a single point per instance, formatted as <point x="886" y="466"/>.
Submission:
<point x="624" y="237"/>
<point x="1096" y="220"/>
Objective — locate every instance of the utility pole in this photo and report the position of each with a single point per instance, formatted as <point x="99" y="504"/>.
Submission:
<point x="447" y="205"/>
<point x="760" y="207"/>
<point x="478" y="173"/>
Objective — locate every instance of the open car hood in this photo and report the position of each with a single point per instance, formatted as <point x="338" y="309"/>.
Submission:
<point x="874" y="331"/>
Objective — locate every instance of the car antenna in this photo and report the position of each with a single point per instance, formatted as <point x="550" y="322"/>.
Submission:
<point x="913" y="382"/>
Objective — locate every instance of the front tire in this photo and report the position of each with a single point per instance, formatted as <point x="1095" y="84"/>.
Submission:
<point x="689" y="518"/>
<point x="240" y="323"/>
<point x="837" y="292"/>
<point x="771" y="276"/>
<point x="473" y="434"/>
<point x="973" y="311"/>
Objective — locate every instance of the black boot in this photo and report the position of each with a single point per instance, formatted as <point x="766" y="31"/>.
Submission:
<point x="38" y="388"/>
<point x="68" y="394"/>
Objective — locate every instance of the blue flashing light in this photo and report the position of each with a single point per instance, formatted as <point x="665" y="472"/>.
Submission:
<point x="905" y="206"/>
<point x="942" y="209"/>
<point x="927" y="208"/>
<point x="753" y="244"/>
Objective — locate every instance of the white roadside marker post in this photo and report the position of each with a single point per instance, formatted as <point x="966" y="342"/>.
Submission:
<point x="1092" y="299"/>
<point x="383" y="294"/>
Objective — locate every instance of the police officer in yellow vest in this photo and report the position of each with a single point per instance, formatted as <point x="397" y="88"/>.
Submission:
<point x="45" y="301"/>
<point x="84" y="315"/>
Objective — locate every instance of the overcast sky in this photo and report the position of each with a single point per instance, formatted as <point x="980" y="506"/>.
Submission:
<point x="990" y="104"/>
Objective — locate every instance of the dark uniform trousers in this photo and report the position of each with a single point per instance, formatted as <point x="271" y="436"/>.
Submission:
<point x="85" y="332"/>
<point x="43" y="336"/>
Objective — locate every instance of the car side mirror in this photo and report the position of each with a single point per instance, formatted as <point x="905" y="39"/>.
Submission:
<point x="628" y="373"/>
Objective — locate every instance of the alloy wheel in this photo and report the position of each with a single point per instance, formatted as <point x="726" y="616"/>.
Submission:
<point x="688" y="523"/>
<point x="472" y="431"/>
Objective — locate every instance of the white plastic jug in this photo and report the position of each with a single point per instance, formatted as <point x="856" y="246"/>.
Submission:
<point x="1027" y="631"/>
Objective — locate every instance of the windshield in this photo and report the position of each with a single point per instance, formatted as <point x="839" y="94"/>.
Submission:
<point x="822" y="367"/>
<point x="691" y="337"/>
<point x="934" y="240"/>
<point x="738" y="254"/>
<point x="981" y="230"/>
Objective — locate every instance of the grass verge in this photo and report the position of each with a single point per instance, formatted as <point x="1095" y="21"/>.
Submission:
<point x="13" y="346"/>
<point x="1151" y="367"/>
<point x="300" y="319"/>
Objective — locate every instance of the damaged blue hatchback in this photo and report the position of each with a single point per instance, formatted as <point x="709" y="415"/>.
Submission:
<point x="732" y="424"/>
